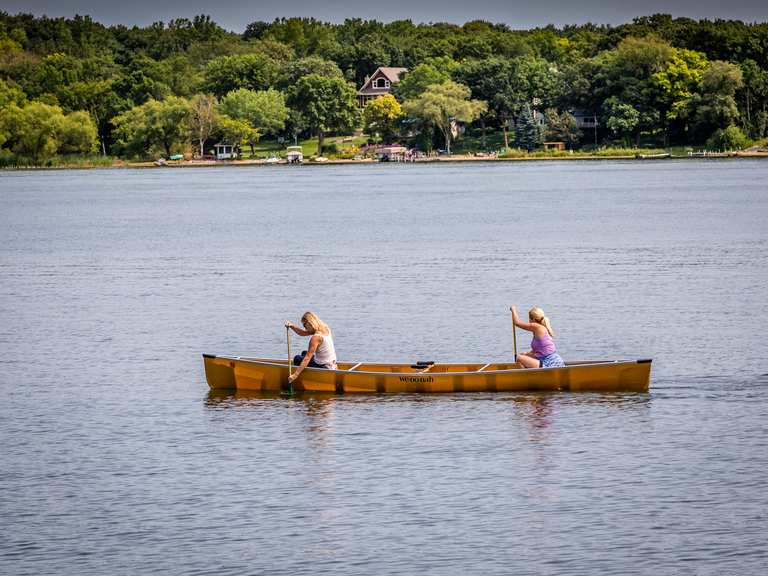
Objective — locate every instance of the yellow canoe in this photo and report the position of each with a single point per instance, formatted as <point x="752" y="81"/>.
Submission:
<point x="270" y="375"/>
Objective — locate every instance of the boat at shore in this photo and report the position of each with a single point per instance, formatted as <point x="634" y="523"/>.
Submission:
<point x="271" y="375"/>
<point x="653" y="156"/>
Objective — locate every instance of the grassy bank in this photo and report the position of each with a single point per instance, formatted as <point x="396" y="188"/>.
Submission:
<point x="333" y="147"/>
<point x="11" y="161"/>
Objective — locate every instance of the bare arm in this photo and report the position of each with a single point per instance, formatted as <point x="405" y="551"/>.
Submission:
<point x="519" y="323"/>
<point x="537" y="329"/>
<point x="314" y="342"/>
<point x="299" y="331"/>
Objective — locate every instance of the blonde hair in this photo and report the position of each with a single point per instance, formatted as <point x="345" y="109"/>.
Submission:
<point x="312" y="321"/>
<point x="537" y="315"/>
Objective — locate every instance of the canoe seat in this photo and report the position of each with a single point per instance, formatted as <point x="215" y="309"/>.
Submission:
<point x="422" y="365"/>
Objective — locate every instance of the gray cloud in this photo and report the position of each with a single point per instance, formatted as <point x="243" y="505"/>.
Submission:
<point x="236" y="14"/>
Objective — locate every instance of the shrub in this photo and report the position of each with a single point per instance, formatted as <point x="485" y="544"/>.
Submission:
<point x="731" y="138"/>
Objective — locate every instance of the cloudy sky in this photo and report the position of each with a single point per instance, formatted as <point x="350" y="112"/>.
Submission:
<point x="236" y="14"/>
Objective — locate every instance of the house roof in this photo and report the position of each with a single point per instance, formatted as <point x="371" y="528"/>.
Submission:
<point x="392" y="74"/>
<point x="389" y="72"/>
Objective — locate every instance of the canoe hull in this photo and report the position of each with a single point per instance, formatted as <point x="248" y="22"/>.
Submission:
<point x="268" y="375"/>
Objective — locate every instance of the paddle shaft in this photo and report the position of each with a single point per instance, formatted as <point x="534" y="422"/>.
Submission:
<point x="290" y="358"/>
<point x="514" y="335"/>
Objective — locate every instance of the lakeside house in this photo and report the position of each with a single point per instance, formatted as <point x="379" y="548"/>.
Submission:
<point x="585" y="120"/>
<point x="225" y="151"/>
<point x="379" y="83"/>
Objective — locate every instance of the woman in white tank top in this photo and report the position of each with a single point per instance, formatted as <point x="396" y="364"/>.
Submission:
<point x="320" y="353"/>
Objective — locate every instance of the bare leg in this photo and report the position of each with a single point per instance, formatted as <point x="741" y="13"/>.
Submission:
<point x="528" y="361"/>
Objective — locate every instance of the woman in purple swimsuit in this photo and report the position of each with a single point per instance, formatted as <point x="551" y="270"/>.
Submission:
<point x="543" y="353"/>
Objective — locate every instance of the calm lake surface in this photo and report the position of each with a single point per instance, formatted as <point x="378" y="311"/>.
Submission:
<point x="117" y="460"/>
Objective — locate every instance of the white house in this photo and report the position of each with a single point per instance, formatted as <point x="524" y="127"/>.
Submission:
<point x="225" y="151"/>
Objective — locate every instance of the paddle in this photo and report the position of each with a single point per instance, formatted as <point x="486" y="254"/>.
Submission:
<point x="290" y="359"/>
<point x="514" y="333"/>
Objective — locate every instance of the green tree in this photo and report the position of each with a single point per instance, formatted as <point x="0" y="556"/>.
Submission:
<point x="415" y="82"/>
<point x="78" y="134"/>
<point x="509" y="85"/>
<point x="626" y="74"/>
<point x="673" y="86"/>
<point x="622" y="119"/>
<point x="755" y="97"/>
<point x="326" y="104"/>
<point x="365" y="55"/>
<point x="304" y="66"/>
<point x="714" y="106"/>
<point x="488" y="80"/>
<point x="730" y="138"/>
<point x="255" y="30"/>
<point x="227" y="73"/>
<point x="562" y="127"/>
<point x="161" y="124"/>
<point x="380" y="116"/>
<point x="236" y="131"/>
<point x="265" y="110"/>
<point x="143" y="79"/>
<point x="10" y="94"/>
<point x="444" y="104"/>
<point x="100" y="99"/>
<point x="32" y="131"/>
<point x="528" y="134"/>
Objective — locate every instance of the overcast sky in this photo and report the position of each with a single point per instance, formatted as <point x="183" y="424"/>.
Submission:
<point x="236" y="14"/>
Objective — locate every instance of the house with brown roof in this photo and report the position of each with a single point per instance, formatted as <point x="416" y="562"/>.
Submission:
<point x="379" y="84"/>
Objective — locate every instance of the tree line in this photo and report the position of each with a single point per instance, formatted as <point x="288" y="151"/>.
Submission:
<point x="74" y="86"/>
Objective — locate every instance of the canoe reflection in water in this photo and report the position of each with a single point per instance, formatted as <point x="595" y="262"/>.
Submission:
<point x="537" y="410"/>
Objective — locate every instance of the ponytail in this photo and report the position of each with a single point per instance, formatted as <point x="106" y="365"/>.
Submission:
<point x="537" y="315"/>
<point x="548" y="326"/>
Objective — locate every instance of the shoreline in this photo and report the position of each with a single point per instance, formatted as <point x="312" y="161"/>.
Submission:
<point x="457" y="158"/>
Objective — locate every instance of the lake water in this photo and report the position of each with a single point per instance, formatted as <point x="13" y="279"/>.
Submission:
<point x="117" y="460"/>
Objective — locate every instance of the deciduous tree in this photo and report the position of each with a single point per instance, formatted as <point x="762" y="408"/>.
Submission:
<point x="78" y="134"/>
<point x="714" y="106"/>
<point x="203" y="118"/>
<point x="326" y="104"/>
<point x="161" y="124"/>
<point x="227" y="73"/>
<point x="39" y="131"/>
<point x="443" y="104"/>
<point x="622" y="119"/>
<point x="264" y="110"/>
<point x="730" y="138"/>
<point x="415" y="82"/>
<point x="380" y="116"/>
<point x="562" y="127"/>
<point x="236" y="131"/>
<point x="32" y="130"/>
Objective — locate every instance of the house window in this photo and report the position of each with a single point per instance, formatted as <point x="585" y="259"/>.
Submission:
<point x="381" y="83"/>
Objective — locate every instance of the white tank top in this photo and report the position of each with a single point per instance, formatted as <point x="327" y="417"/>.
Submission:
<point x="326" y="353"/>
